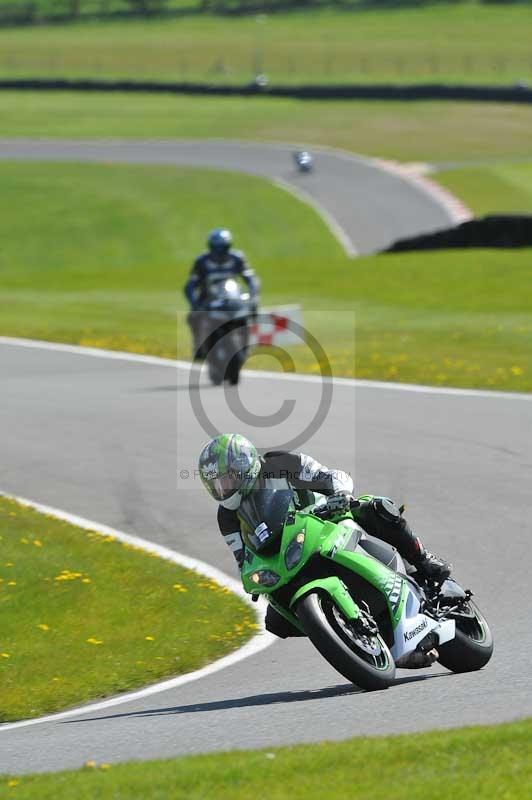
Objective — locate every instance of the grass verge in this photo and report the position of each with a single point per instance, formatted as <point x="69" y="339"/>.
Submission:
<point x="68" y="632"/>
<point x="102" y="252"/>
<point x="471" y="42"/>
<point x="417" y="131"/>
<point x="501" y="188"/>
<point x="484" y="763"/>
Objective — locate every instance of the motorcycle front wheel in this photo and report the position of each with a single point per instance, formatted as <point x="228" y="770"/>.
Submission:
<point x="363" y="659"/>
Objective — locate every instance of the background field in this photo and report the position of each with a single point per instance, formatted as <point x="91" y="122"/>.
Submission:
<point x="467" y="42"/>
<point x="102" y="253"/>
<point x="66" y="598"/>
<point x="426" y="131"/>
<point x="483" y="763"/>
<point x="503" y="187"/>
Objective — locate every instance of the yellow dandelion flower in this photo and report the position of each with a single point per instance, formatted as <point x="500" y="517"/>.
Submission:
<point x="9" y="563"/>
<point x="90" y="764"/>
<point x="37" y="543"/>
<point x="516" y="370"/>
<point x="179" y="587"/>
<point x="43" y="626"/>
<point x="5" y="655"/>
<point x="11" y="583"/>
<point x="85" y="580"/>
<point x="93" y="640"/>
<point x="150" y="638"/>
<point x="12" y="783"/>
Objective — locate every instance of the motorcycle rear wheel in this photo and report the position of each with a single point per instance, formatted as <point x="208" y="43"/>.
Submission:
<point x="364" y="660"/>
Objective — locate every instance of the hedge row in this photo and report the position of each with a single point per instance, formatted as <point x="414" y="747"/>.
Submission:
<point x="434" y="91"/>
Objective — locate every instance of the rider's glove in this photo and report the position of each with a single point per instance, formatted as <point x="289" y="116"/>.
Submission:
<point x="339" y="503"/>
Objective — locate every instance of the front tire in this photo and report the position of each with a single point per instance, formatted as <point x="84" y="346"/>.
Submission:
<point x="364" y="660"/>
<point x="472" y="646"/>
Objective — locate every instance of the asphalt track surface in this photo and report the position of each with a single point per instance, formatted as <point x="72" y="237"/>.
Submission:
<point x="108" y="439"/>
<point x="371" y="206"/>
<point x="105" y="439"/>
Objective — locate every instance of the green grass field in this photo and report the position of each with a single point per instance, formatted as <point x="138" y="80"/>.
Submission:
<point x="102" y="252"/>
<point x="468" y="42"/>
<point x="503" y="188"/>
<point x="424" y="131"/>
<point x="68" y="634"/>
<point x="484" y="763"/>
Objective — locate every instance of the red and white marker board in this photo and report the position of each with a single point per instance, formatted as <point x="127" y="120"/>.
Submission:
<point x="273" y="327"/>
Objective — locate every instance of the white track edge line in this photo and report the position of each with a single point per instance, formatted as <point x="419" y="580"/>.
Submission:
<point x="259" y="642"/>
<point x="357" y="383"/>
<point x="341" y="236"/>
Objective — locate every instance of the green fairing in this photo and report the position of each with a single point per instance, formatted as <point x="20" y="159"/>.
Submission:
<point x="315" y="532"/>
<point x="377" y="574"/>
<point x="336" y="589"/>
<point x="327" y="538"/>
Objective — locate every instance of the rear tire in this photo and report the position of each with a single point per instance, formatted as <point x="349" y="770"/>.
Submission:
<point x="346" y="651"/>
<point x="472" y="647"/>
<point x="233" y="370"/>
<point x="215" y="376"/>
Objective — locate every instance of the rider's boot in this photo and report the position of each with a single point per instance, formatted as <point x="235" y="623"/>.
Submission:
<point x="428" y="565"/>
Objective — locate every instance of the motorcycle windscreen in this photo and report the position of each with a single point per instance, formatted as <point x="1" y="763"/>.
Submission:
<point x="263" y="516"/>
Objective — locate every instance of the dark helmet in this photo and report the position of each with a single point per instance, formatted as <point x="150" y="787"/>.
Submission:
<point x="219" y="241"/>
<point x="229" y="466"/>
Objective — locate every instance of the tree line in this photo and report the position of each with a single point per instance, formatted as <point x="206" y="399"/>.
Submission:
<point x="34" y="11"/>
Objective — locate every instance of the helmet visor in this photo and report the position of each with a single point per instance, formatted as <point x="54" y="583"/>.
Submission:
<point x="223" y="486"/>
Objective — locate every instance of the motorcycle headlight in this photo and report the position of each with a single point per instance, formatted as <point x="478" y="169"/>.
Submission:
<point x="265" y="577"/>
<point x="294" y="551"/>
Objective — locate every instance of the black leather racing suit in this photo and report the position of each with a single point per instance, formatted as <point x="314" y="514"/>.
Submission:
<point x="209" y="269"/>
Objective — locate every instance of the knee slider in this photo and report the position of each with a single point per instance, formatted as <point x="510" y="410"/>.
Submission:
<point x="387" y="510"/>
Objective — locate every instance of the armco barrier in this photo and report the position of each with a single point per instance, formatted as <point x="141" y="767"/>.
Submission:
<point x="502" y="230"/>
<point x="430" y="91"/>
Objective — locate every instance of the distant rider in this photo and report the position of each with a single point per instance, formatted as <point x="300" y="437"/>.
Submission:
<point x="215" y="266"/>
<point x="231" y="469"/>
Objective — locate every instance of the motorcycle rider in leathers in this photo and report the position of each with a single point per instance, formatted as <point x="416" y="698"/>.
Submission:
<point x="231" y="469"/>
<point x="215" y="266"/>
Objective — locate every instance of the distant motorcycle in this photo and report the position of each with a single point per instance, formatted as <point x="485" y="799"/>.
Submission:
<point x="304" y="161"/>
<point x="224" y="331"/>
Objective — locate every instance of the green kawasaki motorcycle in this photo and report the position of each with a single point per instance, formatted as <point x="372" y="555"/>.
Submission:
<point x="351" y="594"/>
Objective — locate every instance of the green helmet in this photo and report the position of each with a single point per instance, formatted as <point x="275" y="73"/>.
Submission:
<point x="229" y="466"/>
